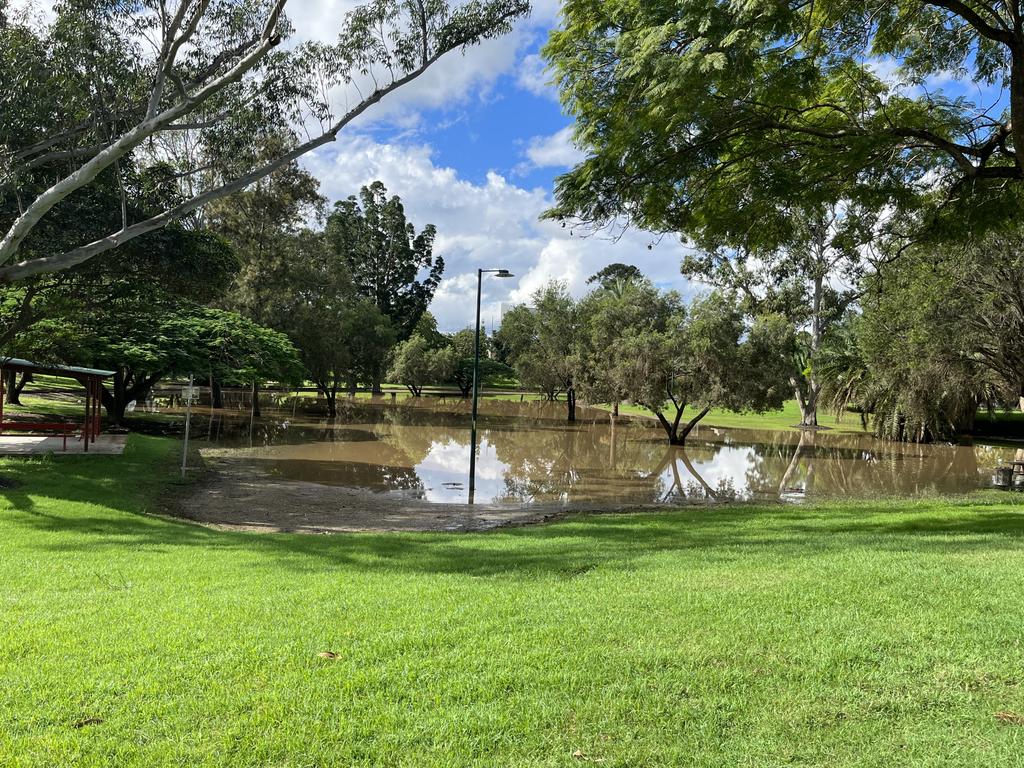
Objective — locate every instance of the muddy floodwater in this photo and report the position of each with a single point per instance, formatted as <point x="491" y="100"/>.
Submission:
<point x="418" y="450"/>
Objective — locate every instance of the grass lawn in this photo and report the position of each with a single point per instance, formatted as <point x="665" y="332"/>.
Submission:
<point x="785" y="418"/>
<point x="870" y="635"/>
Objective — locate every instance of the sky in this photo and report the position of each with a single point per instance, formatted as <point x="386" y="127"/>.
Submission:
<point x="473" y="147"/>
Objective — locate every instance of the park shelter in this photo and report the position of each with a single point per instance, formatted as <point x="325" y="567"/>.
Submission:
<point x="90" y="378"/>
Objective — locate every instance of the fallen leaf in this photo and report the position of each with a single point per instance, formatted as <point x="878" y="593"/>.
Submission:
<point x="1011" y="718"/>
<point x="578" y="754"/>
<point x="328" y="655"/>
<point x="87" y="721"/>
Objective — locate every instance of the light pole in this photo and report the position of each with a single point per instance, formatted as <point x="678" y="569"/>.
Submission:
<point x="476" y="373"/>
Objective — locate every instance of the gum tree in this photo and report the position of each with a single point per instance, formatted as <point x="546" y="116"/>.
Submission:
<point x="195" y="86"/>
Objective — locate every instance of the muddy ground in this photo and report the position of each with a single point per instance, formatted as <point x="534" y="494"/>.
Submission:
<point x="234" y="494"/>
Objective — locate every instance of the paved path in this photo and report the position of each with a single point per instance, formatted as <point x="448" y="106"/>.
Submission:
<point x="27" y="445"/>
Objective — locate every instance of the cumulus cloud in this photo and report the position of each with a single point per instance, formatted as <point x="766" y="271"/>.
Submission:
<point x="532" y="76"/>
<point x="490" y="224"/>
<point x="554" y="151"/>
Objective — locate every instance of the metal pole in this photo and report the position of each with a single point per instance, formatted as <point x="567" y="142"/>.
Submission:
<point x="476" y="373"/>
<point x="188" y="421"/>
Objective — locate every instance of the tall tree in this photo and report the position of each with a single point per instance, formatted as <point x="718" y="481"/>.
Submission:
<point x="938" y="334"/>
<point x="110" y="85"/>
<point x="608" y="276"/>
<point x="717" y="120"/>
<point x="810" y="282"/>
<point x="342" y="337"/>
<point x="390" y="263"/>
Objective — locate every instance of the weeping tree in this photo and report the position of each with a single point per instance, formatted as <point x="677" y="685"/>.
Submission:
<point x="938" y="334"/>
<point x="196" y="87"/>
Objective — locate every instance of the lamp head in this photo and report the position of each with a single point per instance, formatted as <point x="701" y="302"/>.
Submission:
<point x="503" y="273"/>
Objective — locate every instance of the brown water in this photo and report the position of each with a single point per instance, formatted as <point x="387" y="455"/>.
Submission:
<point x="527" y="453"/>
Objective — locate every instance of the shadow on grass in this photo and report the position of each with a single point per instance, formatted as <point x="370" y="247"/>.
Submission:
<point x="70" y="505"/>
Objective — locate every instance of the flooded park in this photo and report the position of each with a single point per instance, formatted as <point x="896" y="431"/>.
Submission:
<point x="415" y="452"/>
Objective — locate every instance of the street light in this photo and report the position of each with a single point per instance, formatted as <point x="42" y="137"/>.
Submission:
<point x="476" y="372"/>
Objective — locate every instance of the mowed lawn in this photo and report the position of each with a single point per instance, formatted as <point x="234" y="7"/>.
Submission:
<point x="876" y="634"/>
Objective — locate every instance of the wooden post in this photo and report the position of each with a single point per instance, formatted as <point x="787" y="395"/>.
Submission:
<point x="85" y="425"/>
<point x="97" y="385"/>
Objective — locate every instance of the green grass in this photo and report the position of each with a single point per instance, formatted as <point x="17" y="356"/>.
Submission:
<point x="785" y="418"/>
<point x="870" y="634"/>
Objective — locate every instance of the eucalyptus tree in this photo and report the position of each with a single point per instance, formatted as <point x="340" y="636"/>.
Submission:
<point x="717" y="120"/>
<point x="810" y="281"/>
<point x="196" y="85"/>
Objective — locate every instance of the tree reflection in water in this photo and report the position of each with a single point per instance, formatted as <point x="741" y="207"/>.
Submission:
<point x="528" y="453"/>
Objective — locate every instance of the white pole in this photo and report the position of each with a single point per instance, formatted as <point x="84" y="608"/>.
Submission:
<point x="188" y="419"/>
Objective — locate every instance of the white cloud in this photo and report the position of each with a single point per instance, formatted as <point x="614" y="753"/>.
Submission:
<point x="554" y="151"/>
<point x="534" y="77"/>
<point x="490" y="224"/>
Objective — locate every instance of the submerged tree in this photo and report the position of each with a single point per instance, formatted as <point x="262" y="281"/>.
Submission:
<point x="416" y="364"/>
<point x="937" y="335"/>
<point x="811" y="281"/>
<point x="540" y="343"/>
<point x="389" y="263"/>
<point x="645" y="346"/>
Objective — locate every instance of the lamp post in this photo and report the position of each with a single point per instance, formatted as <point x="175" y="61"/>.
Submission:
<point x="476" y="373"/>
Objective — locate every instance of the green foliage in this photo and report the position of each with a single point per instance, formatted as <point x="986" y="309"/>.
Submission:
<point x="940" y="333"/>
<point x="491" y="371"/>
<point x="415" y="363"/>
<point x="385" y="256"/>
<point x="608" y="277"/>
<point x="540" y="342"/>
<point x="644" y="346"/>
<point x="341" y="336"/>
<point x="200" y="99"/>
<point x="719" y="120"/>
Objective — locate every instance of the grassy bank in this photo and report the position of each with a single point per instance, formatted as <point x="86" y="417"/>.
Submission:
<point x="785" y="418"/>
<point x="870" y="634"/>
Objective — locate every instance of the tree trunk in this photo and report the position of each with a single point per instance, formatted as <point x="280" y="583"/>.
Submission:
<point x="332" y="402"/>
<point x="675" y="435"/>
<point x="256" y="400"/>
<point x="570" y="403"/>
<point x="125" y="387"/>
<point x="13" y="386"/>
<point x="216" y="394"/>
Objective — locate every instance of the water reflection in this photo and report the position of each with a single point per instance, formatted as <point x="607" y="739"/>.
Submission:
<point x="527" y="453"/>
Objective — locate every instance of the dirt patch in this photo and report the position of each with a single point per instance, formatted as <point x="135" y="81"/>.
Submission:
<point x="237" y="495"/>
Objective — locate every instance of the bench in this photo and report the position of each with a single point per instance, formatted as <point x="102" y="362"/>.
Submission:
<point x="62" y="428"/>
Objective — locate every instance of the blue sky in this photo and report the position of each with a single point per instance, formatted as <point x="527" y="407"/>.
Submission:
<point x="474" y="147"/>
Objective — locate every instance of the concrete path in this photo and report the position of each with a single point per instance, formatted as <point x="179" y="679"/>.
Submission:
<point x="27" y="445"/>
